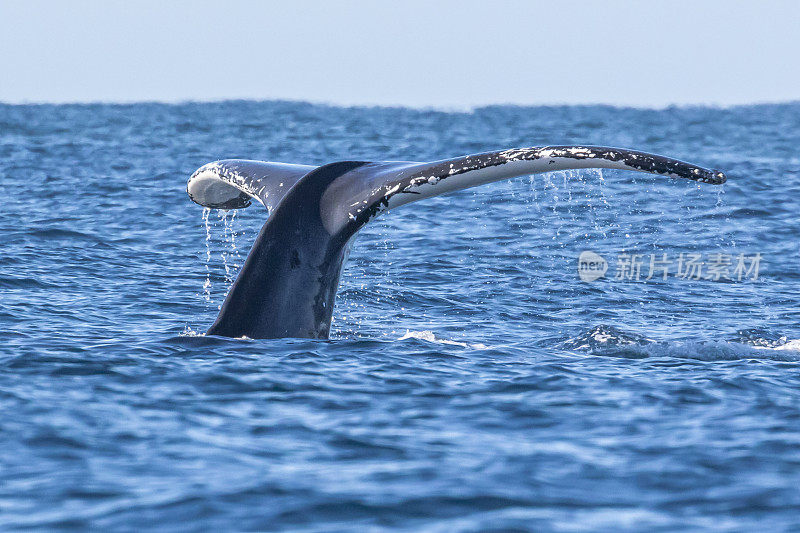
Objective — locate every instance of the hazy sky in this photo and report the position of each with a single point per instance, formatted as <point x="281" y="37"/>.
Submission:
<point x="451" y="54"/>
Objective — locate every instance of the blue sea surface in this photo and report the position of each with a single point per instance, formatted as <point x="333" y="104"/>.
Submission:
<point x="472" y="381"/>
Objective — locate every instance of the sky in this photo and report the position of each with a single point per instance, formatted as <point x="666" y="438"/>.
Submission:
<point x="444" y="54"/>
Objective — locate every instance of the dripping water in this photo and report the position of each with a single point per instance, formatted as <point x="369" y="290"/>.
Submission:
<point x="206" y="292"/>
<point x="223" y="258"/>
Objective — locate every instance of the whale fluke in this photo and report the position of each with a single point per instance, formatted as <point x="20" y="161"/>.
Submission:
<point x="232" y="183"/>
<point x="287" y="285"/>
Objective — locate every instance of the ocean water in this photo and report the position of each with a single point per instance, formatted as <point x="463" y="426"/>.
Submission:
<point x="473" y="381"/>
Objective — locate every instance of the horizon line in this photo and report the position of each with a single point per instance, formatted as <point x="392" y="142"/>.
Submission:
<point x="368" y="105"/>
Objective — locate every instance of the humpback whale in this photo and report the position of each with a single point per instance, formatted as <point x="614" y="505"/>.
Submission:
<point x="287" y="285"/>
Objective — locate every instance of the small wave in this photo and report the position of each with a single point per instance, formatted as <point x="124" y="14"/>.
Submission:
<point x="60" y="233"/>
<point x="605" y="336"/>
<point x="791" y="345"/>
<point x="609" y="341"/>
<point x="23" y="283"/>
<point x="722" y="351"/>
<point x="428" y="336"/>
<point x="759" y="338"/>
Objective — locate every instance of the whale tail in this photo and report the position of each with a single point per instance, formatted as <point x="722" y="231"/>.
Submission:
<point x="287" y="285"/>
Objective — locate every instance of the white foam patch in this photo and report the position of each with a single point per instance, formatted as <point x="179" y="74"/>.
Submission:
<point x="791" y="346"/>
<point x="610" y="341"/>
<point x="428" y="336"/>
<point x="188" y="331"/>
